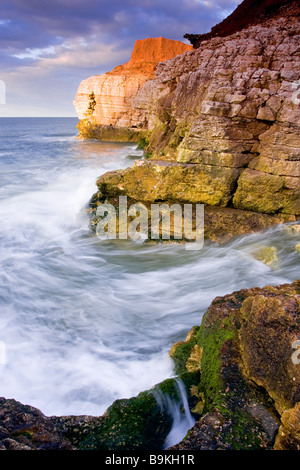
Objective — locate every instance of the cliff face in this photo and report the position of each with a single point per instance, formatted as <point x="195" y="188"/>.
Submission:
<point x="107" y="99"/>
<point x="226" y="118"/>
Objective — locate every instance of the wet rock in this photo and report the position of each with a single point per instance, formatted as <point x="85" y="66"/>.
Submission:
<point x="267" y="255"/>
<point x="141" y="422"/>
<point x="292" y="229"/>
<point x="23" y="427"/>
<point x="160" y="180"/>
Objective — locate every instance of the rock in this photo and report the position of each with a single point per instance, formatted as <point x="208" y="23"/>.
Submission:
<point x="267" y="255"/>
<point x="141" y="422"/>
<point x="288" y="437"/>
<point x="161" y="180"/>
<point x="106" y="100"/>
<point x="236" y="112"/>
<point x="292" y="229"/>
<point x="168" y="183"/>
<point x="90" y="129"/>
<point x="128" y="424"/>
<point x="263" y="192"/>
<point x="248" y="380"/>
<point x="249" y="12"/>
<point x="23" y="427"/>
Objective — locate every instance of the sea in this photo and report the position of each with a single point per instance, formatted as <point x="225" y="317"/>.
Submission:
<point x="85" y="321"/>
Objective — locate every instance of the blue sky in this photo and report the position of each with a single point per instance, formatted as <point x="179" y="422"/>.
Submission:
<point x="48" y="46"/>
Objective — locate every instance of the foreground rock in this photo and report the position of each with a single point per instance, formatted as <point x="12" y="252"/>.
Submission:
<point x="250" y="379"/>
<point x="23" y="427"/>
<point x="241" y="370"/>
<point x="138" y="423"/>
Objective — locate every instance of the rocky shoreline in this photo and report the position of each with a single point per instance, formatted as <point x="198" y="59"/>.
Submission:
<point x="220" y="127"/>
<point x="241" y="371"/>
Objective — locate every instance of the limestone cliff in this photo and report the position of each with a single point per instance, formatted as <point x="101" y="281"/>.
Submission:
<point x="106" y="100"/>
<point x="224" y="123"/>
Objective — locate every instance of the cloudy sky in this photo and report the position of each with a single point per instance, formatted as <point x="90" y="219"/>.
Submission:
<point x="48" y="46"/>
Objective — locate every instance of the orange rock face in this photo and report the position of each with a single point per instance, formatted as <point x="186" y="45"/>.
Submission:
<point x="108" y="97"/>
<point x="156" y="50"/>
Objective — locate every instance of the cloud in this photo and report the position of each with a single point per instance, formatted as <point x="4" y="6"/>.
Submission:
<point x="61" y="42"/>
<point x="36" y="24"/>
<point x="81" y="54"/>
<point x="35" y="53"/>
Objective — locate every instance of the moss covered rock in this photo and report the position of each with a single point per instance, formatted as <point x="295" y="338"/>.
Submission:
<point x="139" y="423"/>
<point x="248" y="379"/>
<point x="135" y="423"/>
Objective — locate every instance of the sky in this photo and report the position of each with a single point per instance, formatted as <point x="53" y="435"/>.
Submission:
<point x="48" y="46"/>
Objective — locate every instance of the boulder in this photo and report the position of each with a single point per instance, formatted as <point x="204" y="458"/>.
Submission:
<point x="249" y="383"/>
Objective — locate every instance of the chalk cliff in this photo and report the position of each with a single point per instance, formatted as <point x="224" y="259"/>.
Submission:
<point x="106" y="99"/>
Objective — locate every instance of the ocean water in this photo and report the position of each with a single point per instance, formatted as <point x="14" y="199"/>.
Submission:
<point x="84" y="322"/>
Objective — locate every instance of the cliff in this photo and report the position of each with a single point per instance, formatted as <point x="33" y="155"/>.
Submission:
<point x="106" y="100"/>
<point x="223" y="123"/>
